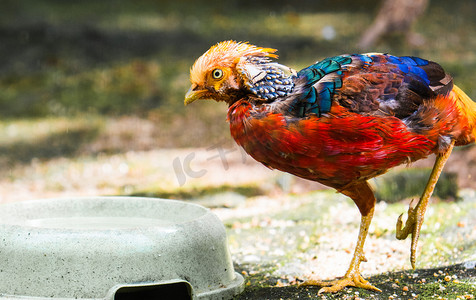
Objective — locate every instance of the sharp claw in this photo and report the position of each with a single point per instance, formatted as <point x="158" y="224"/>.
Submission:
<point x="399" y="228"/>
<point x="412" y="226"/>
<point x="403" y="231"/>
<point x="355" y="280"/>
<point x="321" y="290"/>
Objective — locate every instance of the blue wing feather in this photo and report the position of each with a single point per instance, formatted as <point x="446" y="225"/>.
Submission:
<point x="321" y="89"/>
<point x="380" y="83"/>
<point x="411" y="65"/>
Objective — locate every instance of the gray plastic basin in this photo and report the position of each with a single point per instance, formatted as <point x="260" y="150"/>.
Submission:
<point x="113" y="248"/>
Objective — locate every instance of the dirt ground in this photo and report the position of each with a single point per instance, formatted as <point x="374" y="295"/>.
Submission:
<point x="280" y="229"/>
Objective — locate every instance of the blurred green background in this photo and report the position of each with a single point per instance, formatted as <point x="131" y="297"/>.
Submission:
<point x="81" y="78"/>
<point x="130" y="57"/>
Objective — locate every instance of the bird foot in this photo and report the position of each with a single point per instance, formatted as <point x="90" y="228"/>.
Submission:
<point x="355" y="280"/>
<point x="413" y="227"/>
<point x="403" y="232"/>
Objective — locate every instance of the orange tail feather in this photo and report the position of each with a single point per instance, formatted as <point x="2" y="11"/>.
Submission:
<point x="467" y="111"/>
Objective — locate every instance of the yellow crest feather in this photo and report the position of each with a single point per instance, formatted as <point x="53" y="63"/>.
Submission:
<point x="225" y="55"/>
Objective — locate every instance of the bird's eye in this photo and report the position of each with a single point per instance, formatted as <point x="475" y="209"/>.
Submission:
<point x="217" y="74"/>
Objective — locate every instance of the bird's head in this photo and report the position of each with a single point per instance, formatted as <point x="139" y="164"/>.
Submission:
<point x="232" y="69"/>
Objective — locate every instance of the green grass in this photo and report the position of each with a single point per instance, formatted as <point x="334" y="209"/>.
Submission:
<point x="394" y="285"/>
<point x="194" y="193"/>
<point x="439" y="270"/>
<point x="21" y="141"/>
<point x="400" y="184"/>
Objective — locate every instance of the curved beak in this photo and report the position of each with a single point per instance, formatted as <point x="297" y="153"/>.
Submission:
<point x="194" y="94"/>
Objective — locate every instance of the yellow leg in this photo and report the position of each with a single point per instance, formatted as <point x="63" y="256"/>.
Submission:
<point x="416" y="215"/>
<point x="352" y="276"/>
<point x="364" y="198"/>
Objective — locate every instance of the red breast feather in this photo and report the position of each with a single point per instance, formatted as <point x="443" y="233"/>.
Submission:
<point x="337" y="149"/>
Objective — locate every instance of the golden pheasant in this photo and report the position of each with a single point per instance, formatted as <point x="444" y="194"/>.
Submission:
<point x="340" y="122"/>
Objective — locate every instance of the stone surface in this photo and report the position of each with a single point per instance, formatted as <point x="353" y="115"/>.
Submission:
<point x="88" y="248"/>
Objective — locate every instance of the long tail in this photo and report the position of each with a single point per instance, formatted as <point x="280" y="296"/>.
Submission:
<point x="467" y="110"/>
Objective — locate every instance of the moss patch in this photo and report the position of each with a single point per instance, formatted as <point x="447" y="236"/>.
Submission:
<point x="196" y="193"/>
<point x="451" y="282"/>
<point x="402" y="184"/>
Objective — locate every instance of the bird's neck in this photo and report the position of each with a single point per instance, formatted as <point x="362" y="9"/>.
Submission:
<point x="238" y="111"/>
